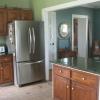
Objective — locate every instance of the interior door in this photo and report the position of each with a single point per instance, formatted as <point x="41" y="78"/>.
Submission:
<point x="80" y="35"/>
<point x="83" y="37"/>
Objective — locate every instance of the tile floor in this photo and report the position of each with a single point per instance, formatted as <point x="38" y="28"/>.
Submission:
<point x="40" y="91"/>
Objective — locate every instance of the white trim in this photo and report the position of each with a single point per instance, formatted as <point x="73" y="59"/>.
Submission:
<point x="52" y="38"/>
<point x="54" y="31"/>
<point x="46" y="32"/>
<point x="78" y="16"/>
<point x="45" y="19"/>
<point x="87" y="19"/>
<point x="72" y="33"/>
<point x="70" y="5"/>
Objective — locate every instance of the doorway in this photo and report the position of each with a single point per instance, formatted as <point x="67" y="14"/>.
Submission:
<point x="80" y="35"/>
<point x="45" y="15"/>
<point x="52" y="41"/>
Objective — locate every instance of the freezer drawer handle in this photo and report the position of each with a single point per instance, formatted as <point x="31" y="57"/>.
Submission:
<point x="35" y="62"/>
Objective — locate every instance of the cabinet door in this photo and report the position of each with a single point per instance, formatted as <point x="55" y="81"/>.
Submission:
<point x="0" y="72"/>
<point x="13" y="14"/>
<point x="61" y="88"/>
<point x="26" y="15"/>
<point x="3" y="22"/>
<point x="82" y="92"/>
<point x="7" y="72"/>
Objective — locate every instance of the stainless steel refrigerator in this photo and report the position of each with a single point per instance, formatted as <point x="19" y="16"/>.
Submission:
<point x="27" y="44"/>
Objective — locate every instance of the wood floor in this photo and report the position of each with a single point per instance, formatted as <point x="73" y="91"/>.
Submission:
<point x="41" y="91"/>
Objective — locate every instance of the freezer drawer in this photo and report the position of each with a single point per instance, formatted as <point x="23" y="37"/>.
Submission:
<point x="30" y="72"/>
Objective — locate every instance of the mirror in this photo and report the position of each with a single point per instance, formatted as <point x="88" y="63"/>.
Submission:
<point x="63" y="30"/>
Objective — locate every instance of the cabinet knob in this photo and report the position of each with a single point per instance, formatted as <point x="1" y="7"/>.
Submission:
<point x="72" y="88"/>
<point x="60" y="71"/>
<point x="67" y="86"/>
<point x="83" y="78"/>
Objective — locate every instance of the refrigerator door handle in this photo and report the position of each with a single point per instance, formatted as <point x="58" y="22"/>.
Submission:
<point x="33" y="48"/>
<point x="30" y="40"/>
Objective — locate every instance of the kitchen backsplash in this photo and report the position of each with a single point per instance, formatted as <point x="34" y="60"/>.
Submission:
<point x="2" y="39"/>
<point x="5" y="40"/>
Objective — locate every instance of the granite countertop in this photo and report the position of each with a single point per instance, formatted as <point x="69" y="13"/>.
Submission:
<point x="89" y="65"/>
<point x="6" y="54"/>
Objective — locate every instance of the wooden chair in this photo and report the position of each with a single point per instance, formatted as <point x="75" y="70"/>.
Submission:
<point x="63" y="53"/>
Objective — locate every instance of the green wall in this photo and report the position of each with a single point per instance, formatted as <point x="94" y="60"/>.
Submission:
<point x="38" y="5"/>
<point x="16" y="3"/>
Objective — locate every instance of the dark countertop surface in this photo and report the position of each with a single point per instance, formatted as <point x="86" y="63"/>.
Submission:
<point x="6" y="54"/>
<point x="89" y="65"/>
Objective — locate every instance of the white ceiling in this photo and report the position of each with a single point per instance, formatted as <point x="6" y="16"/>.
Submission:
<point x="93" y="5"/>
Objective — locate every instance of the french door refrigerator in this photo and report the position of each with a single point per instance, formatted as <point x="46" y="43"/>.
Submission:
<point x="27" y="43"/>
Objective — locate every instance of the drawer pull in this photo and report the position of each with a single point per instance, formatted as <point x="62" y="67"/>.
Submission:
<point x="67" y="86"/>
<point x="83" y="78"/>
<point x="60" y="71"/>
<point x="72" y="88"/>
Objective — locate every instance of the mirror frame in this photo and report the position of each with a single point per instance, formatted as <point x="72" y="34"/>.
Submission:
<point x="63" y="30"/>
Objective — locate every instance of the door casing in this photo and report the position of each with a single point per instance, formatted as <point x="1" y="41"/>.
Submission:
<point x="45" y="14"/>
